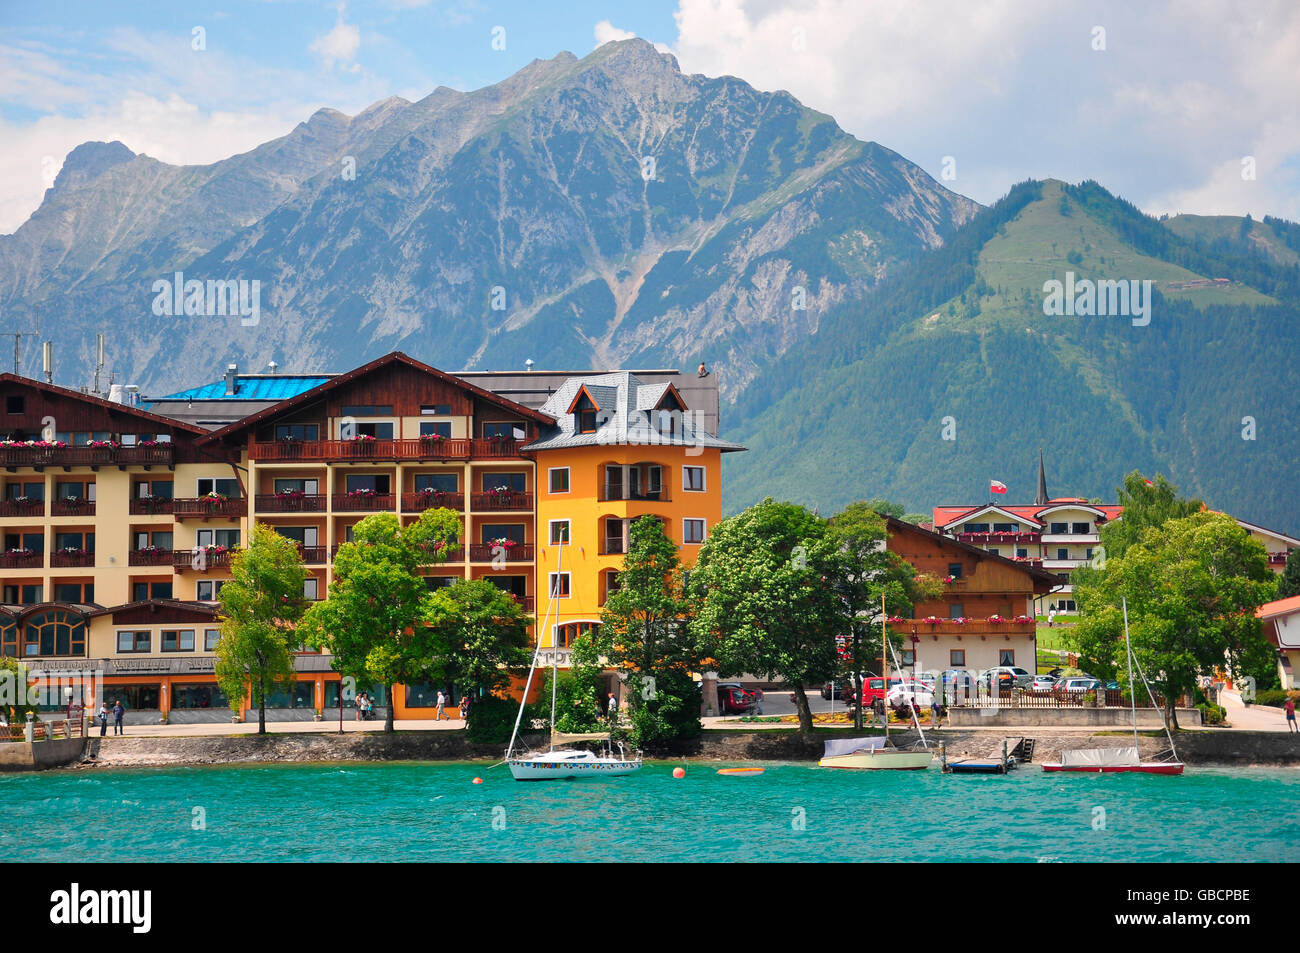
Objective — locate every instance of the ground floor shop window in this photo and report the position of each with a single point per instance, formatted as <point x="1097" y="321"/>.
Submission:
<point x="301" y="695"/>
<point x="133" y="697"/>
<point x="426" y="696"/>
<point x="199" y="695"/>
<point x="376" y="692"/>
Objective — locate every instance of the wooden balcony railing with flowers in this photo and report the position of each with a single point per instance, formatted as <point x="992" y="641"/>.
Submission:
<point x="290" y="502"/>
<point x="210" y="507"/>
<point x="501" y="500"/>
<point x="66" y="558"/>
<point x="22" y="559"/>
<point x="423" y="500"/>
<point x="1019" y="625"/>
<point x="1278" y="559"/>
<point x="149" y="506"/>
<point x="448" y="448"/>
<point x="1000" y="537"/>
<point x="150" y="556"/>
<point x="38" y="453"/>
<point x="514" y="552"/>
<point x="363" y="501"/>
<point x="202" y="559"/>
<point x="72" y="507"/>
<point x="22" y="506"/>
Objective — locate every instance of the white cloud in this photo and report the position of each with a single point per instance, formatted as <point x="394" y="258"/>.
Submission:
<point x="339" y="45"/>
<point x="606" y="32"/>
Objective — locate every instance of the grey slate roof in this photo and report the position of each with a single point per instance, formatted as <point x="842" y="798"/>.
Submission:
<point x="624" y="418"/>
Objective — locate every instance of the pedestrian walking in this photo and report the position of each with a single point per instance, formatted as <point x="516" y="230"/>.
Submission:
<point x="936" y="709"/>
<point x="103" y="719"/>
<point x="464" y="708"/>
<point x="1290" y="715"/>
<point x="118" y="712"/>
<point x="1051" y="618"/>
<point x="611" y="708"/>
<point x="442" y="701"/>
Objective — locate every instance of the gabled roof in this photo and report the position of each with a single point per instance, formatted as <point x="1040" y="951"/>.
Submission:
<point x="625" y="403"/>
<point x="1271" y="610"/>
<point x="1277" y="534"/>
<point x="1040" y="576"/>
<point x="100" y="402"/>
<point x="945" y="516"/>
<point x="395" y="357"/>
<point x="991" y="508"/>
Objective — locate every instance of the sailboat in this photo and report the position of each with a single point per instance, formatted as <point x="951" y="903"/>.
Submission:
<point x="563" y="763"/>
<point x="877" y="753"/>
<point x="1123" y="760"/>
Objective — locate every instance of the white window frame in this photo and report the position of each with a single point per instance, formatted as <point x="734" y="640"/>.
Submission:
<point x="551" y="579"/>
<point x="704" y="526"/>
<point x="550" y="533"/>
<point x="550" y="484"/>
<point x="704" y="480"/>
<point x="315" y="584"/>
<point x="213" y="646"/>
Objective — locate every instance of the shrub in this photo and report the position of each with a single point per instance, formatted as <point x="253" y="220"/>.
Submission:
<point x="1212" y="714"/>
<point x="1274" y="697"/>
<point x="491" y="719"/>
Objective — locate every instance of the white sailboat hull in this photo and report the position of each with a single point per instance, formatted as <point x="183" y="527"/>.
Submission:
<point x="880" y="760"/>
<point x="555" y="766"/>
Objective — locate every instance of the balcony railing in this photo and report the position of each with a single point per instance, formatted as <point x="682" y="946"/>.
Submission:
<point x="313" y="554"/>
<point x="150" y="557"/>
<point x="1278" y="559"/>
<point x="612" y="547"/>
<point x="149" y="506"/>
<point x="496" y="500"/>
<point x="67" y="507"/>
<point x="22" y="560"/>
<point x="999" y="537"/>
<point x="22" y="508"/>
<point x="970" y="627"/>
<point x="614" y="493"/>
<point x="420" y="501"/>
<point x="286" y="503"/>
<point x="38" y="456"/>
<point x="486" y="552"/>
<point x="207" y="508"/>
<point x="453" y="448"/>
<point x="525" y="602"/>
<point x="203" y="558"/>
<point x="363" y="502"/>
<point x="66" y="558"/>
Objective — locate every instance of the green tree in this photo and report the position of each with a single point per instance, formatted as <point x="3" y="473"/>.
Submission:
<point x="1145" y="506"/>
<point x="259" y="607"/>
<point x="15" y="691"/>
<point x="866" y="572"/>
<point x="764" y="597"/>
<point x="577" y="691"/>
<point x="480" y="636"/>
<point x="1192" y="586"/>
<point x="644" y="636"/>
<point x="1288" y="584"/>
<point x="374" y="618"/>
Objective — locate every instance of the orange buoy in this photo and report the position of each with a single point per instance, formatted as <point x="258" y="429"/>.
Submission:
<point x="679" y="772"/>
<point x="741" y="772"/>
<point x="478" y="780"/>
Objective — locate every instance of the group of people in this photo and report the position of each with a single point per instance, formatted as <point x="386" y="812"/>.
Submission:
<point x="118" y="712"/>
<point x="365" y="706"/>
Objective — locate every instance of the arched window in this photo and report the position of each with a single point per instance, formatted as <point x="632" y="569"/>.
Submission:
<point x="8" y="635"/>
<point x="571" y="630"/>
<point x="54" y="632"/>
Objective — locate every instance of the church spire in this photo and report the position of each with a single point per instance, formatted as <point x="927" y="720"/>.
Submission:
<point x="1041" y="498"/>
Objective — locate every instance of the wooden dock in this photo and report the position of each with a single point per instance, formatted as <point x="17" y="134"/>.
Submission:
<point x="1014" y="752"/>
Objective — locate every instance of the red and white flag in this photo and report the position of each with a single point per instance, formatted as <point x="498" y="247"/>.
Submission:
<point x="996" y="486"/>
<point x="1147" y="482"/>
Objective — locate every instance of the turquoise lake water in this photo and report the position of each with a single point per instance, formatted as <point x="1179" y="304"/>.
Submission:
<point x="432" y="812"/>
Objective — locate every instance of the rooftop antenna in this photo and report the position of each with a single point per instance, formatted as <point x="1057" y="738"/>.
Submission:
<point x="47" y="361"/>
<point x="18" y="349"/>
<point x="99" y="363"/>
<point x="271" y="367"/>
<point x="528" y="365"/>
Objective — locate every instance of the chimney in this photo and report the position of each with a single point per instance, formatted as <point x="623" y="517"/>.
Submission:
<point x="232" y="371"/>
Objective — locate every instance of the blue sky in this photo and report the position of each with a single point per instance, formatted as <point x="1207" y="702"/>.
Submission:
<point x="1160" y="102"/>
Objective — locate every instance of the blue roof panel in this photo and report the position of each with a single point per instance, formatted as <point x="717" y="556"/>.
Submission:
<point x="278" y="387"/>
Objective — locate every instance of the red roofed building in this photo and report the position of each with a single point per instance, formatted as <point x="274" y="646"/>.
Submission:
<point x="1282" y="627"/>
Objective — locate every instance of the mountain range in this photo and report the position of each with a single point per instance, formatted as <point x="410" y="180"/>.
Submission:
<point x="611" y="211"/>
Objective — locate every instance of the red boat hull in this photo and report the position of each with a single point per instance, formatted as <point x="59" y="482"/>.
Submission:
<point x="1172" y="767"/>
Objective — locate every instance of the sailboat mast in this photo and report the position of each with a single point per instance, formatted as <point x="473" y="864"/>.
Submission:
<point x="884" y="666"/>
<point x="1132" y="689"/>
<point x="555" y="634"/>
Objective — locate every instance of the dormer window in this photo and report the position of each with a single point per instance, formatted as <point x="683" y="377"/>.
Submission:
<point x="584" y="411"/>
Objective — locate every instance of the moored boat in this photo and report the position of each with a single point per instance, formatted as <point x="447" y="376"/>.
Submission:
<point x="873" y="754"/>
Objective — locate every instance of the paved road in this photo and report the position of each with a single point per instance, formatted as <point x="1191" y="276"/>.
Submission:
<point x="1253" y="717"/>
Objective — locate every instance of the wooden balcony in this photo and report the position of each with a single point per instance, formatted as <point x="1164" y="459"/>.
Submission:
<point x="22" y="560"/>
<point x="364" y="502"/>
<point x="149" y="506"/>
<point x="162" y="454"/>
<point x="419" y="502"/>
<point x="314" y="555"/>
<point x="970" y="627"/>
<point x="518" y="553"/>
<point x="525" y="602"/>
<point x="206" y="508"/>
<point x="202" y="560"/>
<point x="150" y="557"/>
<point x="386" y="451"/>
<point x="288" y="503"/>
<point x="1278" y="559"/>
<point x="614" y="493"/>
<point x="67" y="507"/>
<point x="25" y="508"/>
<point x="61" y="559"/>
<point x="497" y="501"/>
<point x="1000" y="537"/>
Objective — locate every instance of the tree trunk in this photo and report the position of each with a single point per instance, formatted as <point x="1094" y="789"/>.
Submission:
<point x="801" y="705"/>
<point x="388" y="718"/>
<point x="1171" y="713"/>
<point x="261" y="706"/>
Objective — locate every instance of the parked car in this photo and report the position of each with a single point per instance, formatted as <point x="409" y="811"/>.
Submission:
<point x="1043" y="683"/>
<point x="1076" y="683"/>
<point x="910" y="694"/>
<point x="736" y="699"/>
<point x="1008" y="676"/>
<point x="928" y="679"/>
<point x="960" y="678"/>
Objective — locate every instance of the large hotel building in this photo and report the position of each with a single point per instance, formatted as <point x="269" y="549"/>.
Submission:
<point x="120" y="522"/>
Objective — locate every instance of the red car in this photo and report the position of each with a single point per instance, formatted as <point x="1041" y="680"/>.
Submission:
<point x="736" y="699"/>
